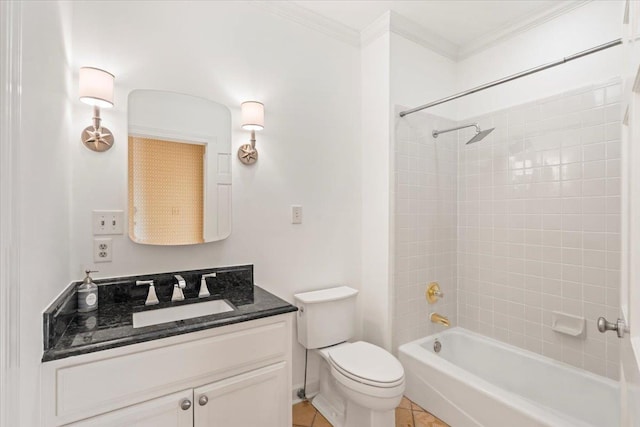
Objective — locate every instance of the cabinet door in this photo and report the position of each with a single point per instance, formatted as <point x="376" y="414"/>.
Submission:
<point x="256" y="398"/>
<point x="165" y="411"/>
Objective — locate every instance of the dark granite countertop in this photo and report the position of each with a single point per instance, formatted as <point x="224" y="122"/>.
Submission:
<point x="69" y="333"/>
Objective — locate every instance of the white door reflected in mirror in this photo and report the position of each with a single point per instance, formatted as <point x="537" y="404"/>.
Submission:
<point x="179" y="169"/>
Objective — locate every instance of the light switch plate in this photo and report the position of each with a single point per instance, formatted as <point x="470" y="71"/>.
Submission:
<point x="108" y="222"/>
<point x="296" y="214"/>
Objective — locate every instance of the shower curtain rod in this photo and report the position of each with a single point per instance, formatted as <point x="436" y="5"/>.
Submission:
<point x="515" y="76"/>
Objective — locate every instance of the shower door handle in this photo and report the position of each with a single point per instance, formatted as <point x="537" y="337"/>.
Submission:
<point x="619" y="326"/>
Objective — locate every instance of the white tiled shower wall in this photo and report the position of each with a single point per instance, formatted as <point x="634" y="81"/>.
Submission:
<point x="425" y="188"/>
<point x="535" y="208"/>
<point x="539" y="225"/>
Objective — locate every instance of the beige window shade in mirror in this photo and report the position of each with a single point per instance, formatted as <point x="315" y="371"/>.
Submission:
<point x="179" y="169"/>
<point x="168" y="207"/>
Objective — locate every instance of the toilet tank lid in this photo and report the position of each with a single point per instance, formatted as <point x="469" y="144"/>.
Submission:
<point x="325" y="295"/>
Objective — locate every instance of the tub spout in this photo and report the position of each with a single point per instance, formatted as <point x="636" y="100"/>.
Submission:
<point x="438" y="318"/>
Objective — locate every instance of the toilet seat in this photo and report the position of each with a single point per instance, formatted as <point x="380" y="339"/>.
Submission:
<point x="368" y="364"/>
<point x="365" y="394"/>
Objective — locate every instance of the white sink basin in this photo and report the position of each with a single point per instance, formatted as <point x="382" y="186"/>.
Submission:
<point x="181" y="312"/>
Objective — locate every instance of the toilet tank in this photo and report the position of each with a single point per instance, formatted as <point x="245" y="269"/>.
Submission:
<point x="326" y="316"/>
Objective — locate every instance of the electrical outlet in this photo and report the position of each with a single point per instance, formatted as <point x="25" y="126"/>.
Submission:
<point x="108" y="222"/>
<point x="296" y="214"/>
<point x="102" y="250"/>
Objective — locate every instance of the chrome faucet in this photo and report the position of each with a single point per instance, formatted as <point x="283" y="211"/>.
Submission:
<point x="177" y="289"/>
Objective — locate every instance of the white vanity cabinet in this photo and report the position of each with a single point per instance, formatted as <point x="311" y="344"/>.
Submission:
<point x="252" y="399"/>
<point x="165" y="411"/>
<point x="222" y="403"/>
<point x="236" y="375"/>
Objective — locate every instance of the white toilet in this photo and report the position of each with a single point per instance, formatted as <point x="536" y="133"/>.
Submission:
<point x="360" y="384"/>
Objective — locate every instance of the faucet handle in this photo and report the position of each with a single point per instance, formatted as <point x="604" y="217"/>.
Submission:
<point x="181" y="282"/>
<point x="433" y="292"/>
<point x="177" y="293"/>
<point x="177" y="288"/>
<point x="204" y="290"/>
<point x="152" y="298"/>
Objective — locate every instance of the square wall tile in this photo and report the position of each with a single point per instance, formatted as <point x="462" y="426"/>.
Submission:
<point x="515" y="227"/>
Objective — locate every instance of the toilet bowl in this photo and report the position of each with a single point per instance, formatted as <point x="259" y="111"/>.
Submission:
<point x="361" y="384"/>
<point x="365" y="386"/>
<point x="368" y="370"/>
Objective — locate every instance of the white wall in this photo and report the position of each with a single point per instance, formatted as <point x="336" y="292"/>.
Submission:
<point x="44" y="183"/>
<point x="375" y="298"/>
<point x="230" y="52"/>
<point x="419" y="75"/>
<point x="590" y="25"/>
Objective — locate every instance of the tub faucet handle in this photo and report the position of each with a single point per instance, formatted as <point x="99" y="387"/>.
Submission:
<point x="152" y="298"/>
<point x="433" y="292"/>
<point x="204" y="290"/>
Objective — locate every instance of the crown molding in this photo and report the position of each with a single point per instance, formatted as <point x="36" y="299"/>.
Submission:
<point x="405" y="27"/>
<point x="311" y="19"/>
<point x="415" y="32"/>
<point x="377" y="28"/>
<point x="517" y="27"/>
<point x="393" y="22"/>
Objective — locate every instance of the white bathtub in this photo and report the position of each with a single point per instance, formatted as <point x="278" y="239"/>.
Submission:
<point x="478" y="381"/>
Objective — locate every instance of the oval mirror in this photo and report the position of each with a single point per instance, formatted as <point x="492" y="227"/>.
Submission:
<point x="179" y="169"/>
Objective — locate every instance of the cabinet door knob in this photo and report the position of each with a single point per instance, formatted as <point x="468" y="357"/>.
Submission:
<point x="203" y="400"/>
<point x="185" y="404"/>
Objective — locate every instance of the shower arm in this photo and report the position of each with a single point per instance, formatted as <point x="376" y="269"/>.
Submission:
<point x="435" y="133"/>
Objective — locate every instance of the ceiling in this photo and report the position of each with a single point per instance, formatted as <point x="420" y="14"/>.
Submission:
<point x="459" y="21"/>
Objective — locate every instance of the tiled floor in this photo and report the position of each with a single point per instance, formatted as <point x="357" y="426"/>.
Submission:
<point x="408" y="414"/>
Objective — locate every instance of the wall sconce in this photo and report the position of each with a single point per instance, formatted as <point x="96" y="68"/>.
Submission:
<point x="96" y="88"/>
<point x="253" y="120"/>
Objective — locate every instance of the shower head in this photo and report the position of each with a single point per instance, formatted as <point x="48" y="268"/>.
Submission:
<point x="479" y="136"/>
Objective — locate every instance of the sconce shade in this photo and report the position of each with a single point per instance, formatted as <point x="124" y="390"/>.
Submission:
<point x="252" y="115"/>
<point x="96" y="87"/>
